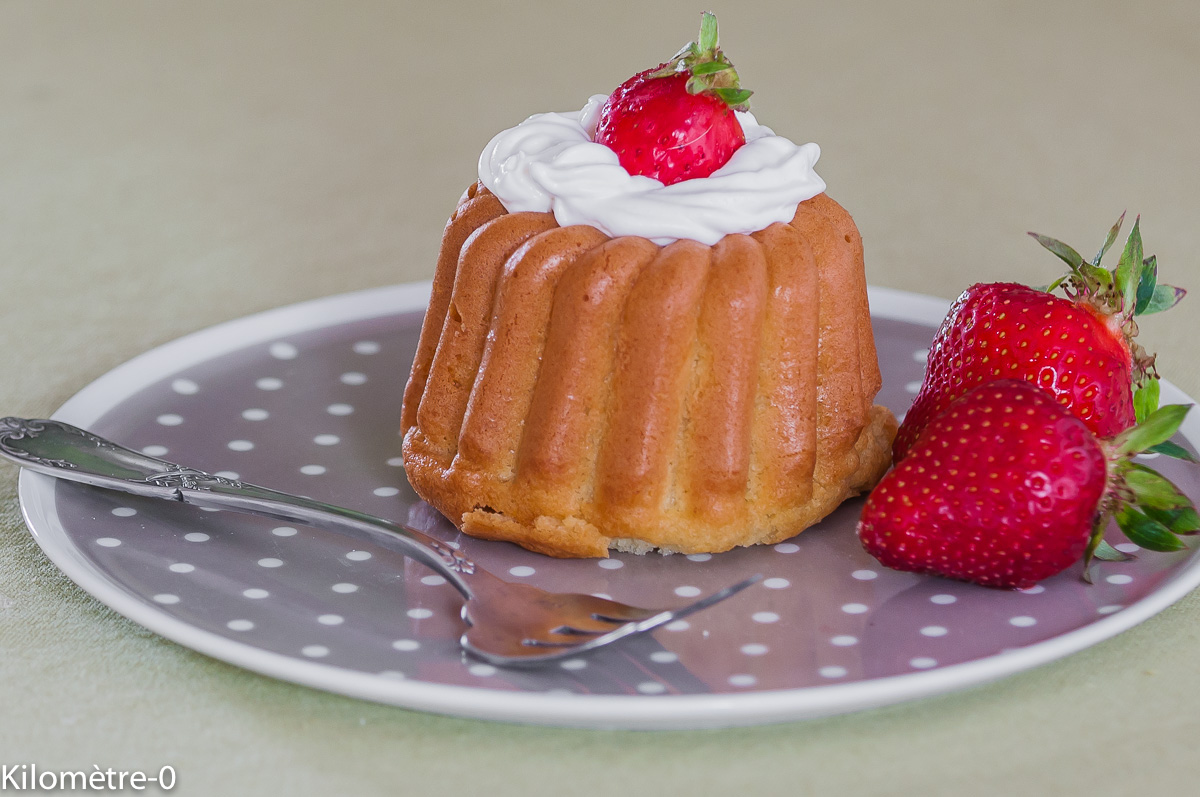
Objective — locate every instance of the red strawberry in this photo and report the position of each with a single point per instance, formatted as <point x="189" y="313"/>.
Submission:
<point x="676" y="122"/>
<point x="1081" y="349"/>
<point x="1007" y="487"/>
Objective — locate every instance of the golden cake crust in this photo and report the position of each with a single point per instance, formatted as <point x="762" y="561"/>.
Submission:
<point x="575" y="393"/>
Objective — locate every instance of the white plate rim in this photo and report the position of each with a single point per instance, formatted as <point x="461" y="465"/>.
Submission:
<point x="643" y="712"/>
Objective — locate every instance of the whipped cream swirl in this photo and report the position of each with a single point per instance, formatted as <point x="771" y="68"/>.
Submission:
<point x="550" y="162"/>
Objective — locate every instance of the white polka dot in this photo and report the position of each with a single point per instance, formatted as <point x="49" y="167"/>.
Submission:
<point x="611" y="564"/>
<point x="573" y="664"/>
<point x="283" y="351"/>
<point x="651" y="688"/>
<point x="1149" y="455"/>
<point x="754" y="649"/>
<point x="687" y="592"/>
<point x="787" y="547"/>
<point x="432" y="581"/>
<point x="181" y="567"/>
<point x="331" y="619"/>
<point x="124" y="511"/>
<point x="921" y="355"/>
<point x="396" y="462"/>
<point x="185" y="387"/>
<point x="934" y="630"/>
<point x="406" y="644"/>
<point x="1022" y="621"/>
<point x="922" y="662"/>
<point x="1119" y="578"/>
<point x="742" y="679"/>
<point x="678" y="625"/>
<point x="602" y="596"/>
<point x="339" y="409"/>
<point x="239" y="625"/>
<point x="283" y="531"/>
<point x="312" y="470"/>
<point x="344" y="588"/>
<point x="386" y="492"/>
<point x="864" y="575"/>
<point x="170" y="419"/>
<point x="327" y="440"/>
<point x="912" y="387"/>
<point x="254" y="593"/>
<point x="777" y="583"/>
<point x="353" y="378"/>
<point x="166" y="597"/>
<point x="832" y="672"/>
<point x="240" y="445"/>
<point x="270" y="561"/>
<point x="315" y="651"/>
<point x="1128" y="547"/>
<point x="269" y="383"/>
<point x="1036" y="589"/>
<point x="394" y="675"/>
<point x="420" y="614"/>
<point x="699" y="557"/>
<point x="843" y="640"/>
<point x="358" y="556"/>
<point x="1109" y="609"/>
<point x="482" y="670"/>
<point x="255" y="414"/>
<point x="663" y="657"/>
<point x="854" y="608"/>
<point x="108" y="542"/>
<point x="521" y="571"/>
<point x="942" y="600"/>
<point x="366" y="347"/>
<point x="154" y="451"/>
<point x="765" y="617"/>
<point x="196" y="536"/>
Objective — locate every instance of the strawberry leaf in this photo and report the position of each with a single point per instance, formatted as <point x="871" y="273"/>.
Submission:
<point x="708" y="31"/>
<point x="1108" y="242"/>
<point x="1106" y="553"/>
<point x="1152" y="489"/>
<point x="1170" y="449"/>
<point x="1064" y="252"/>
<point x="710" y="67"/>
<point x="1145" y="399"/>
<point x="1156" y="429"/>
<point x="1129" y="269"/>
<point x="1147" y="532"/>
<point x="1164" y="298"/>
<point x="1146" y="283"/>
<point x="734" y="98"/>
<point x="1183" y="520"/>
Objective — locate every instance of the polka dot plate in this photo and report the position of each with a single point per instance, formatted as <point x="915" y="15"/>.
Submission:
<point x="307" y="399"/>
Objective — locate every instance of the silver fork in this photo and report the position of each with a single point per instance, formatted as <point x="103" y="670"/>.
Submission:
<point x="509" y="624"/>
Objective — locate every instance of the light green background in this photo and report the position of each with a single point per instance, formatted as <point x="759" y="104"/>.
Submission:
<point x="164" y="167"/>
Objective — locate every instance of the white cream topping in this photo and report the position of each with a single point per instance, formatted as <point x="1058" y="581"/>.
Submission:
<point x="550" y="162"/>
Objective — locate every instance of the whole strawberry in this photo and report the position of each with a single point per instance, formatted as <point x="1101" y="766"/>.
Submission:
<point x="676" y="122"/>
<point x="1006" y="488"/>
<point x="1080" y="349"/>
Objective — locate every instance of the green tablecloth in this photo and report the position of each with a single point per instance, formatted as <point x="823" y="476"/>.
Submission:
<point x="164" y="167"/>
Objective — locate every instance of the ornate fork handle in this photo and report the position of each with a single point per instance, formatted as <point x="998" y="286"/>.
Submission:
<point x="68" y="452"/>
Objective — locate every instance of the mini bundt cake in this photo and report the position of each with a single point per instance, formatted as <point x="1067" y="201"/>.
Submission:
<point x="575" y="392"/>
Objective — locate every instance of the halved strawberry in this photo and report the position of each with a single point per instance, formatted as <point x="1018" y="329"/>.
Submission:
<point x="1006" y="487"/>
<point x="1080" y="349"/>
<point x="676" y="122"/>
